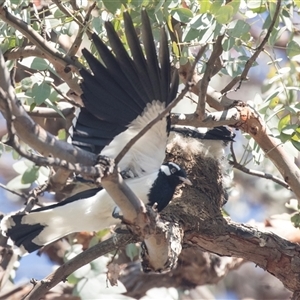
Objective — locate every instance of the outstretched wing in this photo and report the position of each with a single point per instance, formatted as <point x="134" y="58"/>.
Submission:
<point x="124" y="94"/>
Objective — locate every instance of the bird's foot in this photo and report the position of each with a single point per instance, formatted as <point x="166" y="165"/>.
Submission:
<point x="117" y="213"/>
<point x="104" y="166"/>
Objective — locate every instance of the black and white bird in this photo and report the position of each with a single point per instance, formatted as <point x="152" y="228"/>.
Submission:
<point x="121" y="97"/>
<point x="90" y="210"/>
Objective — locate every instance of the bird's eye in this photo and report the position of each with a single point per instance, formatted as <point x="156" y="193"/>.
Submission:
<point x="173" y="170"/>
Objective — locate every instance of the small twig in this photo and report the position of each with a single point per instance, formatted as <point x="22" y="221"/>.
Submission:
<point x="260" y="174"/>
<point x="3" y="186"/>
<point x="164" y="112"/>
<point x="79" y="37"/>
<point x="210" y="65"/>
<point x="253" y="58"/>
<point x="79" y="19"/>
<point x="32" y="198"/>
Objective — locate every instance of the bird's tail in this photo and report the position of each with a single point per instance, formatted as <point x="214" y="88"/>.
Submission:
<point x="32" y="231"/>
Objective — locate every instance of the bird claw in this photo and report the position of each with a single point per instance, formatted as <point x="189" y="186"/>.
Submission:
<point x="104" y="165"/>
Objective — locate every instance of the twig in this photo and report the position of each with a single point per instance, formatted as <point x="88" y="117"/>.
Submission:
<point x="3" y="186"/>
<point x="210" y="65"/>
<point x="253" y="58"/>
<point x="32" y="198"/>
<point x="164" y="112"/>
<point x="260" y="174"/>
<point x="78" y="18"/>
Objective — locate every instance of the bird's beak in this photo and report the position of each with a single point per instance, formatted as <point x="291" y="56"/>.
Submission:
<point x="185" y="180"/>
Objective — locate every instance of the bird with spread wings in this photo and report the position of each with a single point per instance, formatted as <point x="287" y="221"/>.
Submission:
<point x="121" y="96"/>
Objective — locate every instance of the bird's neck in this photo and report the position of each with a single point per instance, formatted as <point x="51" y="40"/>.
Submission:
<point x="162" y="191"/>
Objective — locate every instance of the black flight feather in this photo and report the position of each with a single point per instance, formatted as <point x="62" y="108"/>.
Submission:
<point x="121" y="87"/>
<point x="150" y="50"/>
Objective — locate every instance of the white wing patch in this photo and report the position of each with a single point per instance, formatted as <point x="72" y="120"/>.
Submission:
<point x="148" y="153"/>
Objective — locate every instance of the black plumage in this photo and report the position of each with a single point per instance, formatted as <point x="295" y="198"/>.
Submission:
<point x="121" y="96"/>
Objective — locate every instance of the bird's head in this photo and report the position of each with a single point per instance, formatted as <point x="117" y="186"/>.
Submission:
<point x="175" y="173"/>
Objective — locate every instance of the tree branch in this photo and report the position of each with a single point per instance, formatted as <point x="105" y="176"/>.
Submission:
<point x="260" y="174"/>
<point x="41" y="287"/>
<point x="203" y="84"/>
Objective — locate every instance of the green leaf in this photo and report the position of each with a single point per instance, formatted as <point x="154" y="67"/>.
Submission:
<point x="41" y="92"/>
<point x="205" y="6"/>
<point x="228" y="43"/>
<point x="26" y="83"/>
<point x="112" y="5"/>
<point x="293" y="49"/>
<point x="216" y="5"/>
<point x="237" y="28"/>
<point x="257" y="6"/>
<point x="296" y="144"/>
<point x="235" y="4"/>
<point x="224" y="14"/>
<point x="274" y="102"/>
<point x="297" y="3"/>
<point x="284" y="122"/>
<point x="132" y="251"/>
<point x="175" y="49"/>
<point x="62" y="135"/>
<point x="30" y="175"/>
<point x="296" y="220"/>
<point x="183" y="15"/>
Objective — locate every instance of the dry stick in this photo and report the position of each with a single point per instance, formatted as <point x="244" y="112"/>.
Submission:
<point x="210" y="66"/>
<point x="252" y="59"/>
<point x="164" y="112"/>
<point x="32" y="198"/>
<point x="61" y="273"/>
<point x="260" y="174"/>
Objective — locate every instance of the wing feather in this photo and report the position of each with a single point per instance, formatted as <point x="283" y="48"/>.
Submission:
<point x="124" y="94"/>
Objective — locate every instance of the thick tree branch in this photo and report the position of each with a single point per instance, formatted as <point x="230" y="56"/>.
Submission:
<point x="23" y="52"/>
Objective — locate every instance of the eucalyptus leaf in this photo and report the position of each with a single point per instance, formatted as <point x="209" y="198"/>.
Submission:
<point x="41" y="92"/>
<point x="30" y="175"/>
<point x="224" y="14"/>
<point x="292" y="49"/>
